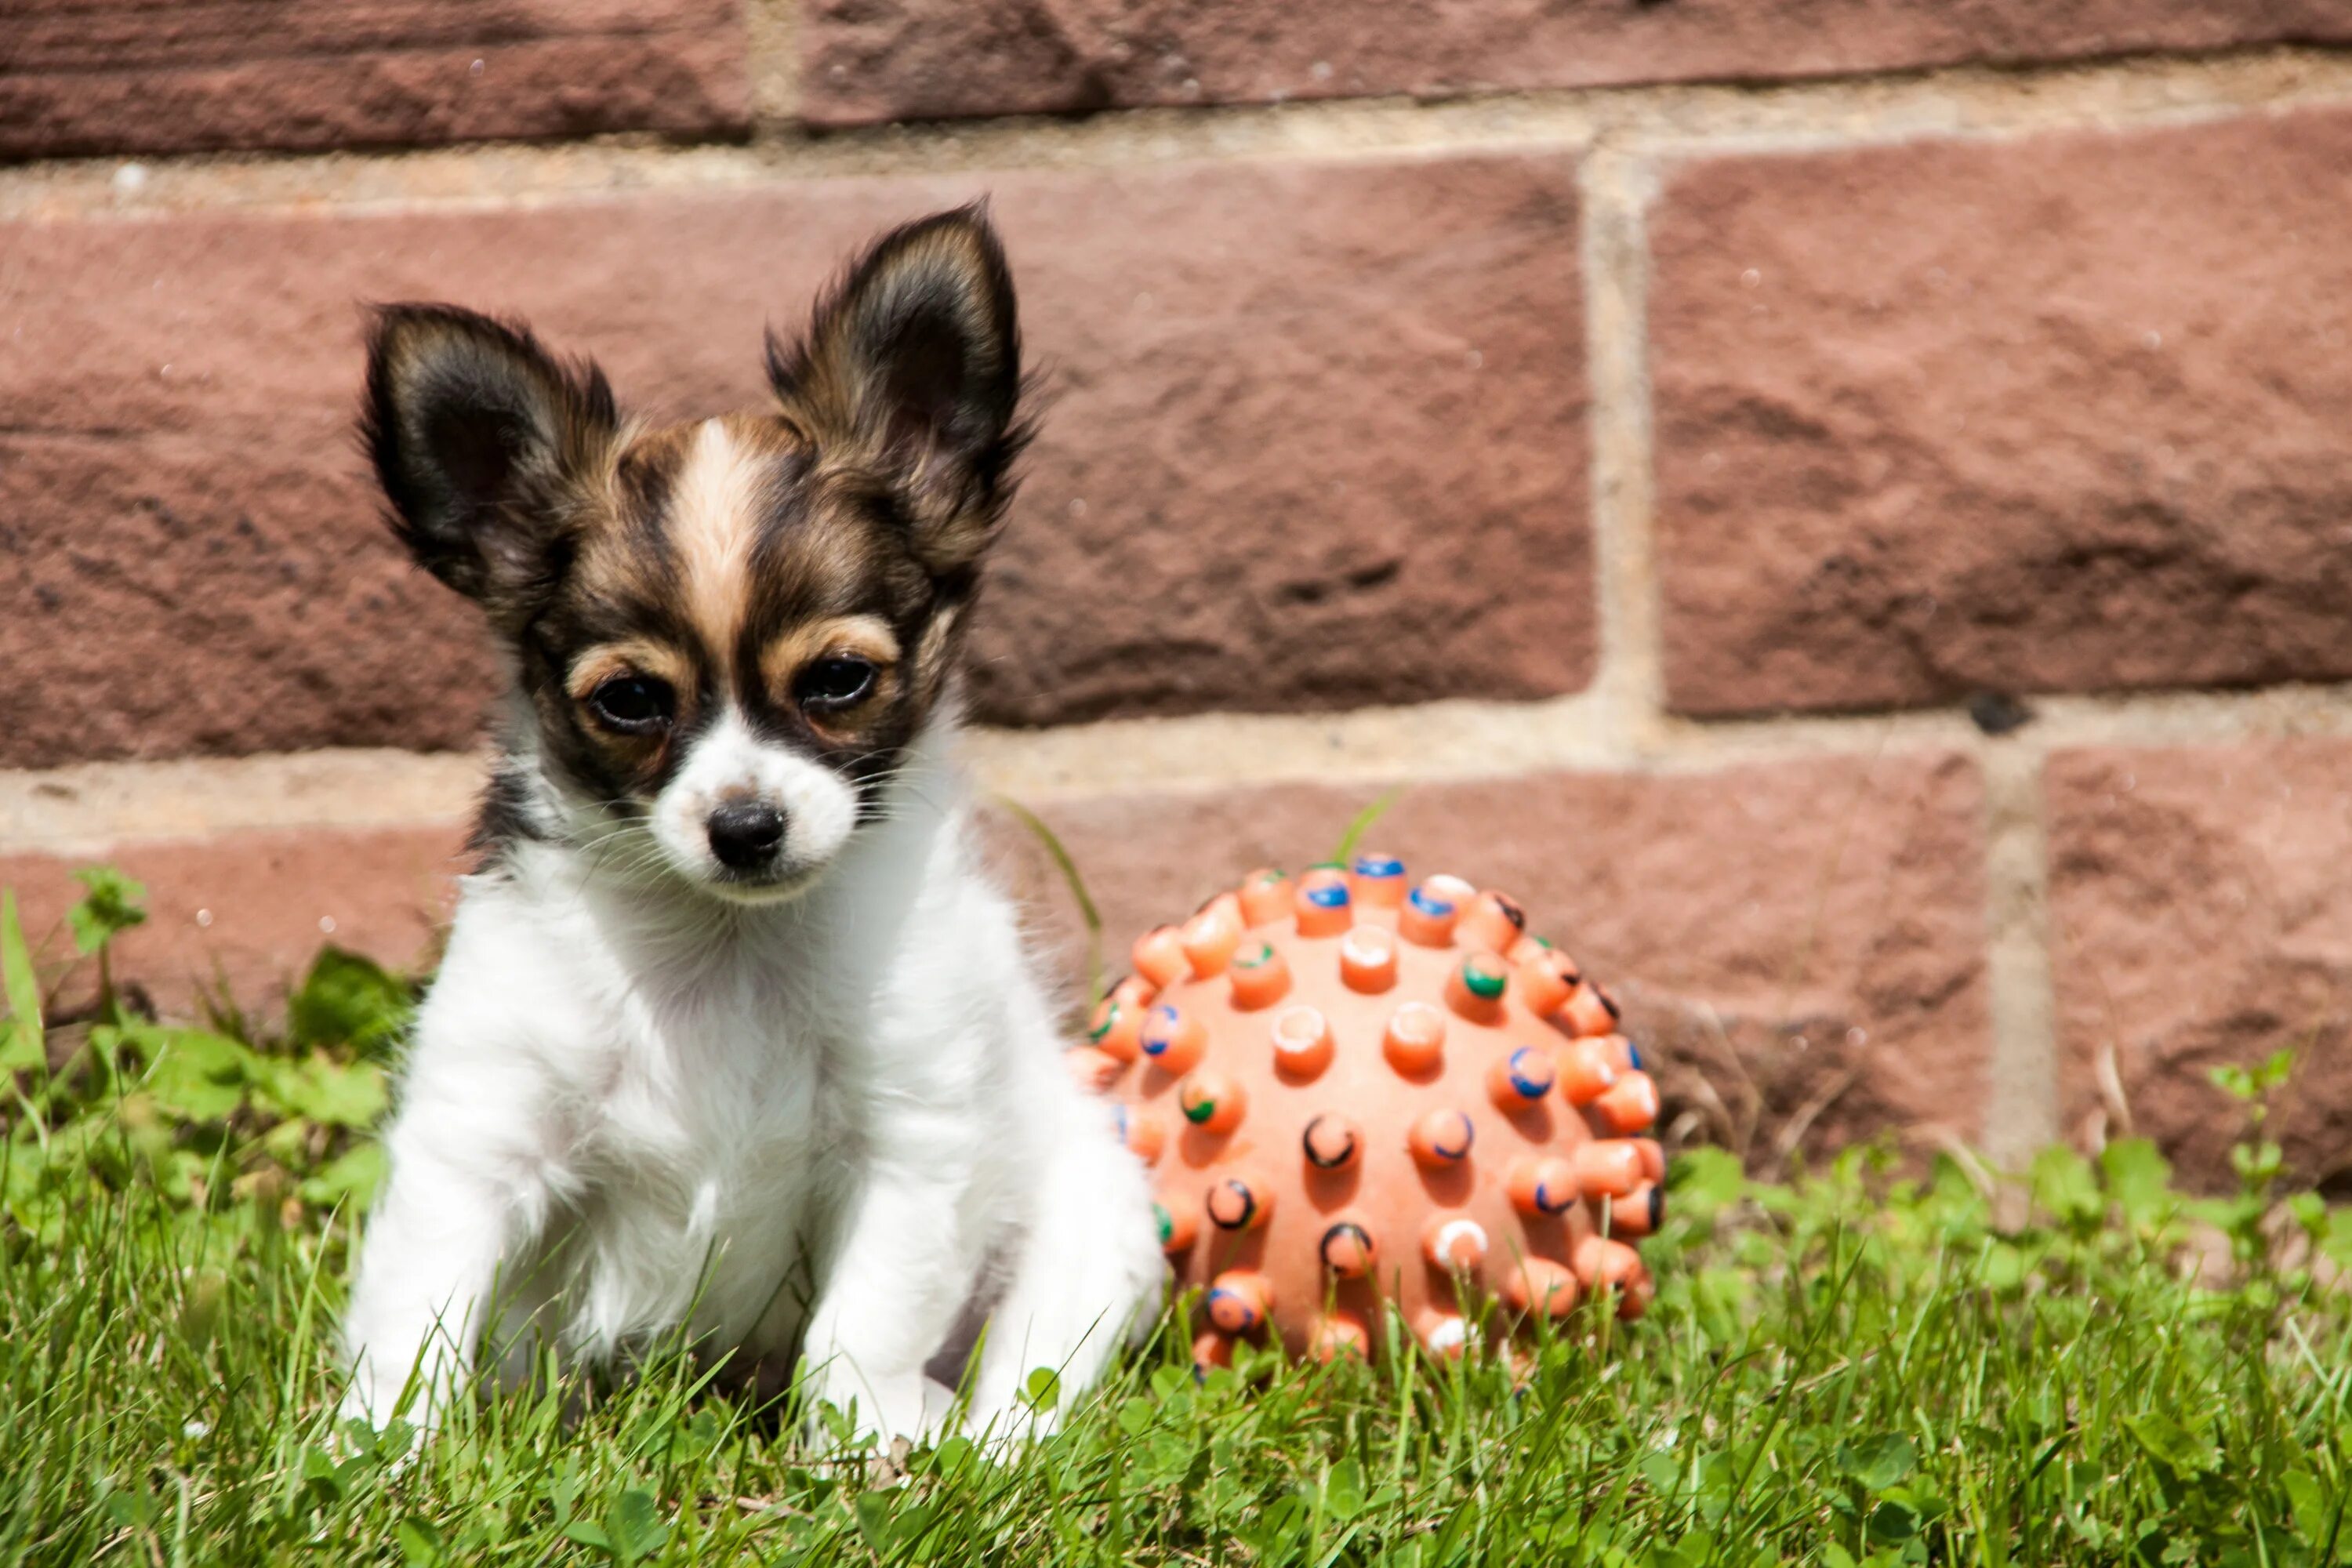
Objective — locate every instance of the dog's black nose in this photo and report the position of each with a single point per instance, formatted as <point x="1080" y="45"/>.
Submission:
<point x="746" y="834"/>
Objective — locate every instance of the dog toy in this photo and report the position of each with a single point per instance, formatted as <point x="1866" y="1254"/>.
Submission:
<point x="1354" y="1093"/>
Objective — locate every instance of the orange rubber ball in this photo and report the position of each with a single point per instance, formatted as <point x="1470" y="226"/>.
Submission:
<point x="1356" y="1094"/>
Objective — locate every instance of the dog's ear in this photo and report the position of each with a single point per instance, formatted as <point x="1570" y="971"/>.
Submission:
<point x="912" y="370"/>
<point x="473" y="427"/>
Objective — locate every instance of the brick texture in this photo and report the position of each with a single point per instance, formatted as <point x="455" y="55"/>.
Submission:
<point x="1317" y="438"/>
<point x="889" y="60"/>
<point x="2200" y="916"/>
<point x="244" y="912"/>
<point x="177" y="76"/>
<point x="1799" y="944"/>
<point x="2064" y="412"/>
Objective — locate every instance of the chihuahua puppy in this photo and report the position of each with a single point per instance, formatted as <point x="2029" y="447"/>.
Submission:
<point x="733" y="1036"/>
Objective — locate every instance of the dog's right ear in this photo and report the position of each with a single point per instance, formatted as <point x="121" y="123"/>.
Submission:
<point x="473" y="427"/>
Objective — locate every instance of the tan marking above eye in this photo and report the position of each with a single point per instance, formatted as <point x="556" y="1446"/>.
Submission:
<point x="594" y="665"/>
<point x="792" y="650"/>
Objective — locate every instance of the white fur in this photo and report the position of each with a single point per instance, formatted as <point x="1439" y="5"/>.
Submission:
<point x="819" y="806"/>
<point x="839" y="1119"/>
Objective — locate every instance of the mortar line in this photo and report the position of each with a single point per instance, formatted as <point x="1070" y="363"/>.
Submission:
<point x="2021" y="1109"/>
<point x="1628" y="688"/>
<point x="1669" y="120"/>
<point x="771" y="60"/>
<point x="97" y="803"/>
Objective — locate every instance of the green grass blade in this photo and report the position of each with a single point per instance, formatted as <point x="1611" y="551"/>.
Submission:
<point x="26" y="1038"/>
<point x="1361" y="823"/>
<point x="1077" y="886"/>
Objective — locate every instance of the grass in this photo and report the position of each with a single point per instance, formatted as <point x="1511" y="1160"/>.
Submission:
<point x="1848" y="1367"/>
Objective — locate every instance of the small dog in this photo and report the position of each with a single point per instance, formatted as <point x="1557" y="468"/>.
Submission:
<point x="732" y="1036"/>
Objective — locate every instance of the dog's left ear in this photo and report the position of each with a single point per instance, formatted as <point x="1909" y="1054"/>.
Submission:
<point x="913" y="363"/>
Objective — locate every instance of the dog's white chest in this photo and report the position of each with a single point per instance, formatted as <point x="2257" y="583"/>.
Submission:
<point x="704" y="1146"/>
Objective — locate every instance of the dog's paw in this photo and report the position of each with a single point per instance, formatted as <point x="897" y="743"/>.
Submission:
<point x="371" y="1419"/>
<point x="1004" y="1434"/>
<point x="391" y="1443"/>
<point x="853" y="1410"/>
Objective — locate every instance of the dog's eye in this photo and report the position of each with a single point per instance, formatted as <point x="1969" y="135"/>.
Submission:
<point x="829" y="684"/>
<point x="634" y="704"/>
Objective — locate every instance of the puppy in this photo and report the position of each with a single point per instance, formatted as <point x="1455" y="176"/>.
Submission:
<point x="732" y="1035"/>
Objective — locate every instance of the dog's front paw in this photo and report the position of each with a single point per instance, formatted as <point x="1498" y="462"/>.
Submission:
<point x="373" y="1397"/>
<point x="853" y="1409"/>
<point x="370" y="1398"/>
<point x="1002" y="1432"/>
<point x="369" y="1423"/>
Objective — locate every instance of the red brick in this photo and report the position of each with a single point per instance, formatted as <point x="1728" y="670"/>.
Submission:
<point x="2062" y="412"/>
<point x="1317" y="439"/>
<point x="179" y="76"/>
<point x="896" y="59"/>
<point x="1805" y="939"/>
<point x="2200" y="916"/>
<point x="246" y="911"/>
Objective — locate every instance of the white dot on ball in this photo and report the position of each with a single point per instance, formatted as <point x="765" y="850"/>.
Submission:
<point x="1455" y="1230"/>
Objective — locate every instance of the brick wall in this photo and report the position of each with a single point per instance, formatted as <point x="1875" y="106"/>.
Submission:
<point x="1846" y="509"/>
